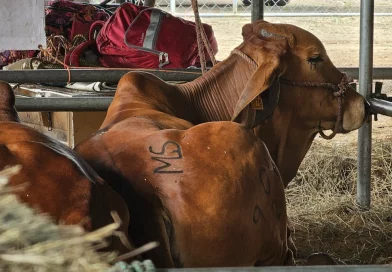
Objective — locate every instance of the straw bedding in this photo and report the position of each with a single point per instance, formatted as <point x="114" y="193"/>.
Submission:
<point x="322" y="204"/>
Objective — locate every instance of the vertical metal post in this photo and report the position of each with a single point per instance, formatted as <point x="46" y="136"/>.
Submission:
<point x="235" y="6"/>
<point x="257" y="10"/>
<point x="365" y="88"/>
<point x="173" y="7"/>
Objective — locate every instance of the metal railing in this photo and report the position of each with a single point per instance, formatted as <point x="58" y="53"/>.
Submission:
<point x="365" y="89"/>
<point x="97" y="103"/>
<point x="114" y="74"/>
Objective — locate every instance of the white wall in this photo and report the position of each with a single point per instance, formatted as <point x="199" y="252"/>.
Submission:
<point x="22" y="24"/>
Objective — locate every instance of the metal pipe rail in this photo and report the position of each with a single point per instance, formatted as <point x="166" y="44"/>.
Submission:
<point x="87" y="103"/>
<point x="91" y="75"/>
<point x="380" y="106"/>
<point x="365" y="88"/>
<point x="331" y="268"/>
<point x="114" y="75"/>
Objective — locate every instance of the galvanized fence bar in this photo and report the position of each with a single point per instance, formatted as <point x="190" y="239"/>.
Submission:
<point x="114" y="75"/>
<point x="99" y="103"/>
<point x="275" y="14"/>
<point x="63" y="104"/>
<point x="91" y="75"/>
<point x="235" y="7"/>
<point x="173" y="7"/>
<point x="380" y="106"/>
<point x="272" y="8"/>
<point x="315" y="14"/>
<point x="365" y="88"/>
<point x="378" y="72"/>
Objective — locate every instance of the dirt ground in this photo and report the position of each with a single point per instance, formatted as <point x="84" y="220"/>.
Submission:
<point x="340" y="36"/>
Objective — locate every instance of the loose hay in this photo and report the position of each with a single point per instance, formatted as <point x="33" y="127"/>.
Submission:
<point x="322" y="209"/>
<point x="31" y="242"/>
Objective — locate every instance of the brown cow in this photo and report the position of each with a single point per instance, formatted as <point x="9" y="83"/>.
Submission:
<point x="312" y="98"/>
<point x="57" y="180"/>
<point x="208" y="191"/>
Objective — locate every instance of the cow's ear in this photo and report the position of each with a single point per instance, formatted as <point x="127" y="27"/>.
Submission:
<point x="261" y="93"/>
<point x="250" y="29"/>
<point x="247" y="30"/>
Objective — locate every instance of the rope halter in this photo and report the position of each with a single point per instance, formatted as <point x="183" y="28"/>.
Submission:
<point x="338" y="92"/>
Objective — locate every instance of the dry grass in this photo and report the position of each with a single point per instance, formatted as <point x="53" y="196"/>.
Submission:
<point x="321" y="204"/>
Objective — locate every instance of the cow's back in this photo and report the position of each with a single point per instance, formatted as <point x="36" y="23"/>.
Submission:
<point x="52" y="183"/>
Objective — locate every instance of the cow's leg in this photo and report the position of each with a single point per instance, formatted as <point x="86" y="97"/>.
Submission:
<point x="155" y="230"/>
<point x="147" y="225"/>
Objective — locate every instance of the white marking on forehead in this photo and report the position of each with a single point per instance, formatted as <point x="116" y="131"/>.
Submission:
<point x="265" y="33"/>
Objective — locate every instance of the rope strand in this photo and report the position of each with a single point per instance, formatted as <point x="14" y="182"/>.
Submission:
<point x="42" y="49"/>
<point x="202" y="40"/>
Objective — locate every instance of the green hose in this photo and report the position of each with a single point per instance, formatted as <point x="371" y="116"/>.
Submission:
<point x="135" y="266"/>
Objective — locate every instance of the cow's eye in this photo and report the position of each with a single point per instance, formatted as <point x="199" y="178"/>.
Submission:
<point x="315" y="59"/>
